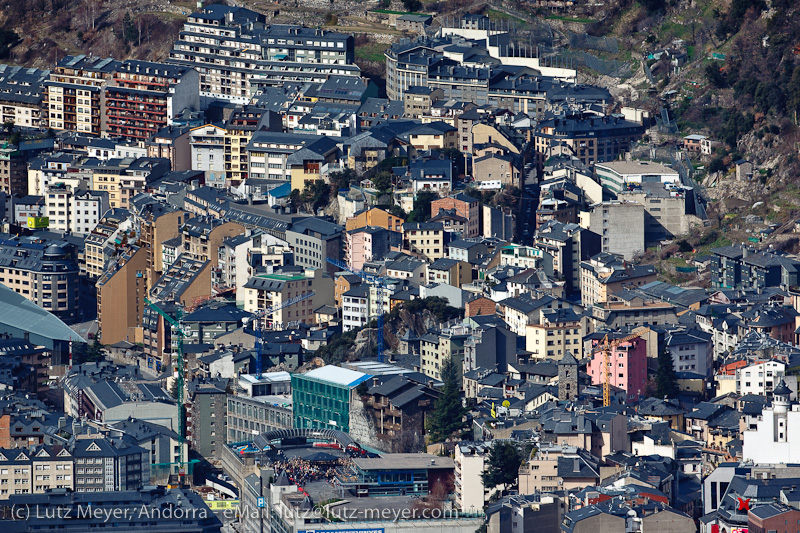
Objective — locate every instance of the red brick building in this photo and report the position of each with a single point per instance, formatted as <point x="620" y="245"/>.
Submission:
<point x="465" y="206"/>
<point x="480" y="306"/>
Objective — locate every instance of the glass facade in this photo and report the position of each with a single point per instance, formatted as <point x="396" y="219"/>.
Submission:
<point x="319" y="404"/>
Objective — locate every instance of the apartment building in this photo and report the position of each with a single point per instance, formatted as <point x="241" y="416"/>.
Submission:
<point x="202" y="237"/>
<point x="366" y="244"/>
<point x="120" y="295"/>
<point x="465" y="206"/>
<point x="267" y="290"/>
<point x="21" y="95"/>
<point x="605" y="274"/>
<point x="34" y="471"/>
<point x="470" y="492"/>
<point x="207" y="145"/>
<point x="669" y="210"/>
<point x="243" y="123"/>
<point x="568" y="245"/>
<point x="74" y="211"/>
<point x="435" y="349"/>
<point x="620" y="225"/>
<point x="628" y="367"/>
<point x="102" y="467"/>
<point x="100" y="243"/>
<point x="44" y="272"/>
<point x="74" y="96"/>
<point x="589" y="138"/>
<point x="269" y="153"/>
<point x="171" y="143"/>
<point x="13" y="171"/>
<point x="145" y="96"/>
<point x="313" y="240"/>
<point x="427" y="239"/>
<point x="124" y="178"/>
<point x="375" y="217"/>
<point x="51" y="168"/>
<point x="156" y="223"/>
<point x="235" y="52"/>
<point x="556" y="333"/>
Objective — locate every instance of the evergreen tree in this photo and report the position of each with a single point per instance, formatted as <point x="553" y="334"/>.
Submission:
<point x="666" y="379"/>
<point x="448" y="412"/>
<point x="502" y="464"/>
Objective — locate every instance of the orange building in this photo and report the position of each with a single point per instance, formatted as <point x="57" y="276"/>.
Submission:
<point x="375" y="217"/>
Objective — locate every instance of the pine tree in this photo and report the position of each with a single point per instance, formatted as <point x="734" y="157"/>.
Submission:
<point x="666" y="379"/>
<point x="502" y="465"/>
<point x="448" y="411"/>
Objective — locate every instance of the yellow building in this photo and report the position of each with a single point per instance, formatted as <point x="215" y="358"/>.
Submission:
<point x="375" y="217"/>
<point x="558" y="331"/>
<point x="425" y="239"/>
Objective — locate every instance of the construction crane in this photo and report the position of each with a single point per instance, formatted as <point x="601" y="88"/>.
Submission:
<point x="380" y="285"/>
<point x="178" y="331"/>
<point x="606" y="347"/>
<point x="261" y="313"/>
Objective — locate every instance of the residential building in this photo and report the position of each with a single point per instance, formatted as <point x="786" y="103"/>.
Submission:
<point x="75" y="93"/>
<point x="101" y="241"/>
<point x="21" y="96"/>
<point x="74" y="211"/>
<point x="449" y="272"/>
<point x="417" y="101"/>
<point x="526" y="257"/>
<point x="605" y="274"/>
<point x="208" y="403"/>
<point x="203" y="236"/>
<point x="465" y="206"/>
<point x="13" y="170"/>
<point x="568" y="245"/>
<point x="470" y="492"/>
<point x="101" y="466"/>
<point x="742" y="267"/>
<point x="313" y="241"/>
<point x="124" y="178"/>
<point x="627" y="370"/>
<point x="775" y="437"/>
<point x="558" y="467"/>
<point x="138" y="506"/>
<point x="207" y="144"/>
<point x="556" y="333"/>
<point x="120" y="292"/>
<point x="395" y="411"/>
<point x="157" y="222"/>
<point x="692" y="351"/>
<point x="616" y="176"/>
<point x="376" y="217"/>
<point x="628" y="309"/>
<point x="693" y="143"/>
<point x="590" y="138"/>
<point x="271" y="55"/>
<point x="426" y="239"/>
<point x="171" y="143"/>
<point x="44" y="272"/>
<point x="761" y="377"/>
<point x="321" y="397"/>
<point x="366" y="244"/>
<point x="620" y="225"/>
<point x="497" y="171"/>
<point x="267" y="290"/>
<point x="146" y="96"/>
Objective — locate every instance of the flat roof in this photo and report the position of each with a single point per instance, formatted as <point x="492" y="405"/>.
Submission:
<point x="637" y="167"/>
<point x="267" y="377"/>
<point x="336" y="375"/>
<point x="405" y="461"/>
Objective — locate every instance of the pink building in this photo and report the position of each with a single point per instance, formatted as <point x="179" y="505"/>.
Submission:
<point x="366" y="244"/>
<point x="628" y="367"/>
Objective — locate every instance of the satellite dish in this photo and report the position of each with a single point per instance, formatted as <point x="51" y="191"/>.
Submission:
<point x="506" y="404"/>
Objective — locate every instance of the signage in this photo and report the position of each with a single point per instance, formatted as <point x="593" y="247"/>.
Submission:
<point x="261" y="503"/>
<point x="38" y="222"/>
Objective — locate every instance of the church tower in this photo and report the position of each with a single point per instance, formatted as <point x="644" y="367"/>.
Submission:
<point x="568" y="377"/>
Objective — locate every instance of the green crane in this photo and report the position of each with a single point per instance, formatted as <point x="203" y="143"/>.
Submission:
<point x="177" y="330"/>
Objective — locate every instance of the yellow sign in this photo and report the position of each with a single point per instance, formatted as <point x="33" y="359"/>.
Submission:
<point x="38" y="222"/>
<point x="221" y="505"/>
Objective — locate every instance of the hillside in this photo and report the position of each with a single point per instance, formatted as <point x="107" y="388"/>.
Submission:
<point x="40" y="32"/>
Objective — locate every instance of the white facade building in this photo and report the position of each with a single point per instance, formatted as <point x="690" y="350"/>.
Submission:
<point x="778" y="433"/>
<point x="469" y="488"/>
<point x="208" y="153"/>
<point x="761" y="378"/>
